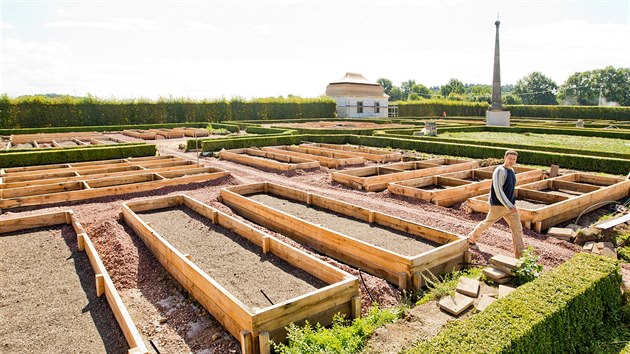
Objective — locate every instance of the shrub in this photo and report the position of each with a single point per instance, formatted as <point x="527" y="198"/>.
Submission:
<point x="340" y="338"/>
<point x="560" y="312"/>
<point x="575" y="112"/>
<point x="528" y="267"/>
<point x="51" y="156"/>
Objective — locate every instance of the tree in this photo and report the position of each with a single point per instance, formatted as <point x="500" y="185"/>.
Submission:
<point x="453" y="86"/>
<point x="536" y="88"/>
<point x="585" y="88"/>
<point x="386" y="83"/>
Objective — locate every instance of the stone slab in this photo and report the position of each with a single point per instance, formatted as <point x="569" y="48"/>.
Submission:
<point x="504" y="290"/>
<point x="608" y="252"/>
<point x="498" y="118"/>
<point x="457" y="304"/>
<point x="588" y="246"/>
<point x="485" y="302"/>
<point x="562" y="233"/>
<point x="468" y="287"/>
<point x="504" y="261"/>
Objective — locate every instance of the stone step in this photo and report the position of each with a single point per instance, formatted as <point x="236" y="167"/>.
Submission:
<point x="468" y="287"/>
<point x="562" y="233"/>
<point x="504" y="263"/>
<point x="504" y="290"/>
<point x="457" y="304"/>
<point x="496" y="275"/>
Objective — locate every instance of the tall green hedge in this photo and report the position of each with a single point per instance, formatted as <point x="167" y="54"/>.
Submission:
<point x="437" y="107"/>
<point x="560" y="312"/>
<point x="46" y="157"/>
<point x="614" y="134"/>
<point x="42" y="112"/>
<point x="100" y="128"/>
<point x="255" y="141"/>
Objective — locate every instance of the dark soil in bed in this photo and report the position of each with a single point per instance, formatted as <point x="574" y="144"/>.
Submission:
<point x="48" y="300"/>
<point x="233" y="261"/>
<point x="385" y="237"/>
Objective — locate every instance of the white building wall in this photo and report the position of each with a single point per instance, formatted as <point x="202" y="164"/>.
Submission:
<point x="347" y="107"/>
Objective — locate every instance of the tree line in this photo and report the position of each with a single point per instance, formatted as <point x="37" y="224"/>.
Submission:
<point x="607" y="86"/>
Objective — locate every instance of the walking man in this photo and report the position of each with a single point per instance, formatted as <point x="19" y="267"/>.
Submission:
<point x="502" y="205"/>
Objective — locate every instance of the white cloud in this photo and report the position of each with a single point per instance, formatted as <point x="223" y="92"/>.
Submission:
<point x="6" y="25"/>
<point x="117" y="23"/>
<point x="202" y="27"/>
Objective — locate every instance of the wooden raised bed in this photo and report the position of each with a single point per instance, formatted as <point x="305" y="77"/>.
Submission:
<point x="450" y="188"/>
<point x="193" y="132"/>
<point x="49" y="137"/>
<point x="546" y="203"/>
<point x="267" y="159"/>
<point x="376" y="178"/>
<point x="104" y="284"/>
<point x="407" y="271"/>
<point x="168" y="133"/>
<point x="140" y="134"/>
<point x="330" y="159"/>
<point x="368" y="153"/>
<point x="254" y="327"/>
<point x="26" y="190"/>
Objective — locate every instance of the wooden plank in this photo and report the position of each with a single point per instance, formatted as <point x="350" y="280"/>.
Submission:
<point x="33" y="221"/>
<point x="613" y="222"/>
<point x="540" y="196"/>
<point x="573" y="186"/>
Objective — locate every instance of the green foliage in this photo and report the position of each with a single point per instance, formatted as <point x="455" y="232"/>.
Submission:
<point x="230" y="127"/>
<point x="237" y="143"/>
<point x="536" y="88"/>
<point x="100" y="128"/>
<point x="560" y="312"/>
<point x="342" y="337"/>
<point x="435" y="107"/>
<point x="528" y="267"/>
<point x="453" y="86"/>
<point x="220" y="131"/>
<point x="34" y="112"/>
<point x="585" y="88"/>
<point x="574" y="112"/>
<point x="51" y="156"/>
<point x="263" y="130"/>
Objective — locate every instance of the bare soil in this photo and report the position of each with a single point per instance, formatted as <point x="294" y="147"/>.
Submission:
<point x="385" y="237"/>
<point x="48" y="300"/>
<point x="233" y="261"/>
<point x="169" y="317"/>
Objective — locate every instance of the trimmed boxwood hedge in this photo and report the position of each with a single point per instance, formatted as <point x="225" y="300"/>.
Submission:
<point x="406" y="135"/>
<point x="257" y="141"/>
<point x="252" y="129"/>
<point x="9" y="151"/>
<point x="100" y="128"/>
<point x="532" y="129"/>
<point x="576" y="112"/>
<point x="50" y="156"/>
<point x="560" y="312"/>
<point x="230" y="127"/>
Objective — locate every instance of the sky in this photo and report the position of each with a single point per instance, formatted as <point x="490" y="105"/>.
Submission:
<point x="248" y="48"/>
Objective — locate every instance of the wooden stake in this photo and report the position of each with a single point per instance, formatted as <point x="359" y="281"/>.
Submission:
<point x="263" y="340"/>
<point x="356" y="306"/>
<point x="246" y="342"/>
<point x="81" y="242"/>
<point x="100" y="284"/>
<point x="266" y="244"/>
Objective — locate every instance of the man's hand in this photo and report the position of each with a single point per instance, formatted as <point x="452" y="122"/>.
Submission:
<point x="514" y="210"/>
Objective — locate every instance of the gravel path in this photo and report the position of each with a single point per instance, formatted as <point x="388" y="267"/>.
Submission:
<point x="233" y="261"/>
<point x="47" y="291"/>
<point x="385" y="237"/>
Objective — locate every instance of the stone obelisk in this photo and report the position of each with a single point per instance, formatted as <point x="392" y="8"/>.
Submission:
<point x="496" y="115"/>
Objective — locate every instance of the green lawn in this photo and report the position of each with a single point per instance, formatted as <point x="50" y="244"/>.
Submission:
<point x="565" y="141"/>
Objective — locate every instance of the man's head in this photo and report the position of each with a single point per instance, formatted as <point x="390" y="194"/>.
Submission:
<point x="510" y="158"/>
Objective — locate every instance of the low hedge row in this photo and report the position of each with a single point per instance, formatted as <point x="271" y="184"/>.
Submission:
<point x="306" y="120"/>
<point x="560" y="312"/>
<point x="438" y="107"/>
<point x="407" y="135"/>
<point x="230" y="127"/>
<point x="10" y="151"/>
<point x="530" y="157"/>
<point x="576" y="112"/>
<point x="552" y="130"/>
<point x="32" y="158"/>
<point x="100" y="128"/>
<point x="256" y="141"/>
<point x="252" y="129"/>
